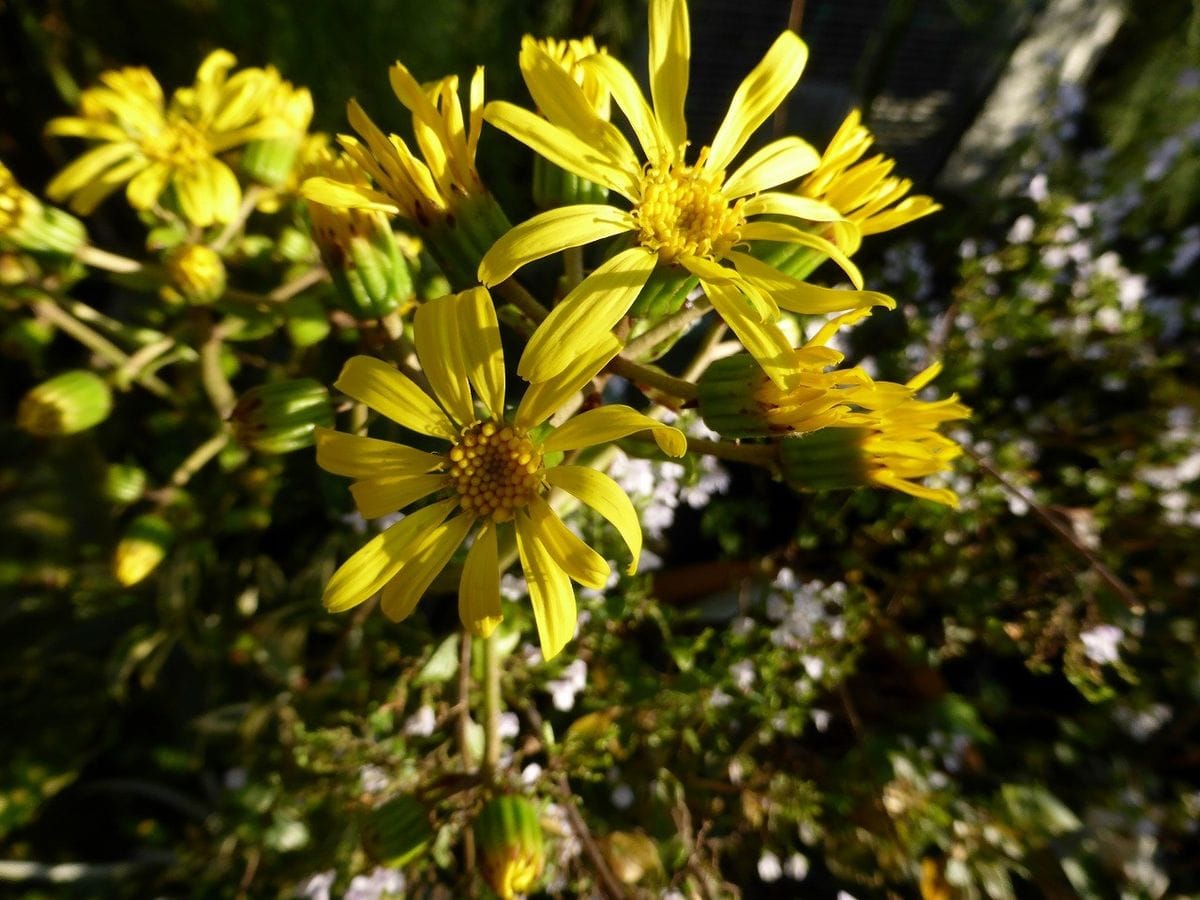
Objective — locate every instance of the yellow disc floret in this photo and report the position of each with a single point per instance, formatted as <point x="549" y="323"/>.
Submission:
<point x="683" y="212"/>
<point x="16" y="204"/>
<point x="179" y="144"/>
<point x="496" y="469"/>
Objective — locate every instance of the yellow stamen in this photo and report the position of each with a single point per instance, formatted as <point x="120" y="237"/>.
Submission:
<point x="682" y="212"/>
<point x="495" y="469"/>
<point x="179" y="144"/>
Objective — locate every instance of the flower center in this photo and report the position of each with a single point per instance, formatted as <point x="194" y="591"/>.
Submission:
<point x="683" y="213"/>
<point x="179" y="144"/>
<point x="495" y="468"/>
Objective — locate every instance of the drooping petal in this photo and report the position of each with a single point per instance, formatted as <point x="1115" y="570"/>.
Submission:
<point x="379" y="386"/>
<point x="601" y="493"/>
<point x="572" y="555"/>
<point x="479" y="589"/>
<point x="545" y="398"/>
<point x="430" y="554"/>
<point x="385" y="494"/>
<point x="781" y="161"/>
<point x="438" y="338"/>
<point x="550" y="232"/>
<point x="800" y="296"/>
<point x="762" y="305"/>
<point x="611" y="423"/>
<point x="561" y="147"/>
<point x="226" y="193"/>
<point x="364" y="457"/>
<point x="758" y="96"/>
<point x="778" y="231"/>
<point x="581" y="318"/>
<point x="765" y="341"/>
<point x="624" y="89"/>
<point x="378" y="561"/>
<point x="775" y="203"/>
<point x="550" y="591"/>
<point x="670" y="55"/>
<point x="483" y="355"/>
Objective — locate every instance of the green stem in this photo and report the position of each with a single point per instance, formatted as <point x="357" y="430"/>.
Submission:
<point x="491" y="708"/>
<point x="249" y="201"/>
<point x="652" y="377"/>
<point x="50" y="311"/>
<point x="216" y="385"/>
<point x="755" y="454"/>
<point x="666" y="328"/>
<point x="514" y="292"/>
<point x="198" y="458"/>
<point x="573" y="265"/>
<point x="137" y="364"/>
<point x="111" y="262"/>
<point x="707" y="351"/>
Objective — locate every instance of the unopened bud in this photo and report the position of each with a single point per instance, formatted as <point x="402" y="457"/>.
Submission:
<point x="509" y="837"/>
<point x="66" y="404"/>
<point x="280" y="417"/>
<point x="140" y="550"/>
<point x="195" y="274"/>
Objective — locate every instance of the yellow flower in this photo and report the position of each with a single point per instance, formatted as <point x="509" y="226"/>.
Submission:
<point x="899" y="438"/>
<point x="149" y="145"/>
<point x="864" y="191"/>
<point x="494" y="474"/>
<point x="26" y="223"/>
<point x="570" y="56"/>
<point x="684" y="210"/>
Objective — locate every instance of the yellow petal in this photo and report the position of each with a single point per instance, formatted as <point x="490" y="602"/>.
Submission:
<point x="758" y="97"/>
<point x="774" y="203"/>
<point x="226" y="192"/>
<point x="550" y="591"/>
<point x="601" y="493"/>
<point x="479" y="589"/>
<point x="624" y="89"/>
<point x="583" y="317"/>
<point x="562" y="101"/>
<point x="709" y="272"/>
<point x="385" y="494"/>
<point x="364" y="457"/>
<point x="926" y="375"/>
<point x="437" y="336"/>
<point x="670" y="54"/>
<point x="781" y="161"/>
<point x="88" y="168"/>
<point x="611" y="423"/>
<point x="548" y="233"/>
<point x="475" y="114"/>
<point x="337" y="195"/>
<point x="73" y="126"/>
<point x="765" y="341"/>
<point x="571" y="554"/>
<point x="94" y="192"/>
<point x="147" y="186"/>
<point x="777" y="231"/>
<point x="375" y="383"/>
<point x="429" y="556"/>
<point x="800" y="296"/>
<point x="562" y="148"/>
<point x="483" y="355"/>
<point x="194" y="189"/>
<point x="545" y="398"/>
<point x="377" y="562"/>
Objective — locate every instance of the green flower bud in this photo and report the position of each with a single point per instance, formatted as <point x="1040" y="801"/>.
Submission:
<point x="195" y="275"/>
<point x="66" y="404"/>
<point x="509" y="837"/>
<point x="827" y="460"/>
<point x="307" y="321"/>
<point x="26" y="339"/>
<point x="457" y="243"/>
<point x="27" y="224"/>
<point x="396" y="832"/>
<point x="554" y="187"/>
<point x="270" y="161"/>
<point x="124" y="483"/>
<point x="280" y="417"/>
<point x="143" y="546"/>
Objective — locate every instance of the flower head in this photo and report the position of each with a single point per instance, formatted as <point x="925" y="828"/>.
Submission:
<point x="149" y="145"/>
<point x="864" y="191"/>
<point x="685" y="209"/>
<point x="493" y="473"/>
<point x="28" y="224"/>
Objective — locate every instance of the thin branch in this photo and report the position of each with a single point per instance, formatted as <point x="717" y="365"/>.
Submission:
<point x="111" y="262"/>
<point x="198" y="458"/>
<point x="249" y="200"/>
<point x="667" y="328"/>
<point x="655" y="378"/>
<point x="755" y="454"/>
<point x="608" y="881"/>
<point x="1067" y="534"/>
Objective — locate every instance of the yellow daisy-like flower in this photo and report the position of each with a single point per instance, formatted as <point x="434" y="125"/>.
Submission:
<point x="570" y="56"/>
<point x="494" y="474"/>
<point x="899" y="436"/>
<point x="864" y="191"/>
<point x="149" y="145"/>
<point x="684" y="212"/>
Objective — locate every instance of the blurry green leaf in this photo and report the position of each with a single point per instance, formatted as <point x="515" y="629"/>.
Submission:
<point x="442" y="665"/>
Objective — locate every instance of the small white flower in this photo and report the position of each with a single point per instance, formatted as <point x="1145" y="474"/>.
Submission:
<point x="718" y="699"/>
<point x="510" y="725"/>
<point x="316" y="886"/>
<point x="1037" y="190"/>
<point x="1102" y="644"/>
<point x="743" y="675"/>
<point x="769" y="867"/>
<point x="1021" y="230"/>
<point x="373" y="779"/>
<point x="796" y="867"/>
<point x="821" y="719"/>
<point x="571" y="682"/>
<point x="421" y="723"/>
<point x="531" y="773"/>
<point x="622" y="796"/>
<point x="380" y="883"/>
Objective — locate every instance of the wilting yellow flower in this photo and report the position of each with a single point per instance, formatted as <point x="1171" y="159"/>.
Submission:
<point x="493" y="473"/>
<point x="149" y="145"/>
<point x="441" y="194"/>
<point x="864" y="191"/>
<point x="685" y="212"/>
<point x="889" y="438"/>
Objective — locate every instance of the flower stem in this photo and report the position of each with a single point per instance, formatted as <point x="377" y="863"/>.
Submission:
<point x="755" y="454"/>
<point x="491" y="708"/>
<point x="516" y="294"/>
<point x="652" y="377"/>
<point x="249" y="201"/>
<point x="666" y="328"/>
<point x="102" y="259"/>
<point x="216" y="385"/>
<point x="198" y="458"/>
